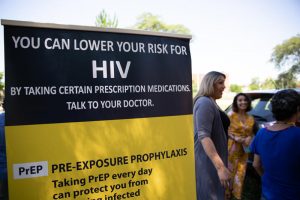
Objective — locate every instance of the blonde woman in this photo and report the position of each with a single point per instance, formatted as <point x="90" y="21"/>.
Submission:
<point x="210" y="139"/>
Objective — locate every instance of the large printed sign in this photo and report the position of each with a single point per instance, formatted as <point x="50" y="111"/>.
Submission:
<point x="97" y="115"/>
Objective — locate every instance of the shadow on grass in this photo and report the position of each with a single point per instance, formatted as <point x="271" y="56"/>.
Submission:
<point x="252" y="186"/>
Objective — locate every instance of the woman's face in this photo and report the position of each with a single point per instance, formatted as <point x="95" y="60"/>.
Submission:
<point x="242" y="103"/>
<point x="219" y="87"/>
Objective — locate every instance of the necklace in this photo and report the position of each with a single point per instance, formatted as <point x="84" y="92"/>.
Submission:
<point x="285" y="123"/>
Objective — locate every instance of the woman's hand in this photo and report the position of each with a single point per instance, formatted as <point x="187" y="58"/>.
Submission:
<point x="258" y="165"/>
<point x="247" y="140"/>
<point x="210" y="150"/>
<point x="224" y="176"/>
<point x="240" y="139"/>
<point x="236" y="138"/>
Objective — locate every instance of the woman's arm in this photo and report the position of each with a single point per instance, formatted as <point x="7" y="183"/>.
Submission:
<point x="257" y="165"/>
<point x="247" y="140"/>
<point x="210" y="150"/>
<point x="238" y="139"/>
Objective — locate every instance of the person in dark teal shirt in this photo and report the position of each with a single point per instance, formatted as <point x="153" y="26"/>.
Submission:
<point x="276" y="149"/>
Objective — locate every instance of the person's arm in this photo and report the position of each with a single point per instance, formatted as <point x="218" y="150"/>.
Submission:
<point x="210" y="150"/>
<point x="257" y="165"/>
<point x="247" y="140"/>
<point x="238" y="139"/>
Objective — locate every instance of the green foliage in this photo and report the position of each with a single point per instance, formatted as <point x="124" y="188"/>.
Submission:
<point x="195" y="87"/>
<point x="287" y="56"/>
<point x="150" y="22"/>
<point x="235" y="88"/>
<point x="146" y="21"/>
<point x="254" y="85"/>
<point x="1" y="89"/>
<point x="1" y="81"/>
<point x="103" y="20"/>
<point x="288" y="79"/>
<point x="269" y="83"/>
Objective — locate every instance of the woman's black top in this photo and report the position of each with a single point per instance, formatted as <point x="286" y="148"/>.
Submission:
<point x="225" y="121"/>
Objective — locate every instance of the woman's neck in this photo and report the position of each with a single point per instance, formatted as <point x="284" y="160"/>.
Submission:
<point x="215" y="102"/>
<point x="242" y="112"/>
<point x="285" y="123"/>
<point x="280" y="125"/>
<point x="214" y="99"/>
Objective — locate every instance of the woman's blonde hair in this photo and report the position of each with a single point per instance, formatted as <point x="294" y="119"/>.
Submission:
<point x="207" y="84"/>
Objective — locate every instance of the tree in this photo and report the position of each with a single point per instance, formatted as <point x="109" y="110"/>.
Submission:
<point x="286" y="56"/>
<point x="1" y="87"/>
<point x="288" y="79"/>
<point x="269" y="83"/>
<point x="1" y="81"/>
<point x="254" y="85"/>
<point x="103" y="20"/>
<point x="150" y="22"/>
<point x="235" y="88"/>
<point x="195" y="87"/>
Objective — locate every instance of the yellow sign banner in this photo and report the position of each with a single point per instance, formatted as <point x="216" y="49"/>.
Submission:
<point x="143" y="158"/>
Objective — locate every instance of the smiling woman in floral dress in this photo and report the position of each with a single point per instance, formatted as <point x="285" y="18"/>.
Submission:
<point x="240" y="134"/>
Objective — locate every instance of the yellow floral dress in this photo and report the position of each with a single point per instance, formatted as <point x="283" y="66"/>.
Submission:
<point x="237" y="157"/>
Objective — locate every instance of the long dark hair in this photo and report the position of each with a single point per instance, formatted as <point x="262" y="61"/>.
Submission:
<point x="235" y="106"/>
